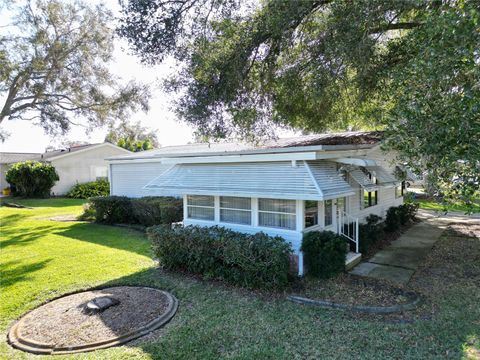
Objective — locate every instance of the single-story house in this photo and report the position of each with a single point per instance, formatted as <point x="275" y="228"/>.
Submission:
<point x="75" y="164"/>
<point x="285" y="187"/>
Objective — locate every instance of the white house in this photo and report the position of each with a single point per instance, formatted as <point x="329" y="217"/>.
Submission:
<point x="285" y="187"/>
<point x="76" y="164"/>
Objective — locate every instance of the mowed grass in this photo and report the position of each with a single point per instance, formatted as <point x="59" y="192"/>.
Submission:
<point x="431" y="204"/>
<point x="42" y="259"/>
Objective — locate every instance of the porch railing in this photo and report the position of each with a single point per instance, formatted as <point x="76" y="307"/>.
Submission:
<point x="348" y="227"/>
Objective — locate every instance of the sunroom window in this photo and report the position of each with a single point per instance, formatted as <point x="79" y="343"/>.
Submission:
<point x="201" y="207"/>
<point x="328" y="211"/>
<point x="277" y="213"/>
<point x="236" y="210"/>
<point x="311" y="213"/>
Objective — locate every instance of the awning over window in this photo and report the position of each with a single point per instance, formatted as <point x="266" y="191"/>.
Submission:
<point x="362" y="179"/>
<point x="303" y="180"/>
<point x="383" y="177"/>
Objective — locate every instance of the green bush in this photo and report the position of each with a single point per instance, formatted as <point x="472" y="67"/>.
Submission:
<point x="90" y="189"/>
<point x="324" y="253"/>
<point x="88" y="214"/>
<point x="145" y="211"/>
<point x="370" y="232"/>
<point x="253" y="261"/>
<point x="151" y="211"/>
<point x="407" y="212"/>
<point x="31" y="178"/>
<point x="392" y="219"/>
<point x="113" y="209"/>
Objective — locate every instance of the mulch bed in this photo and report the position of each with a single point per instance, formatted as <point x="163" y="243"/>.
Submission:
<point x="64" y="323"/>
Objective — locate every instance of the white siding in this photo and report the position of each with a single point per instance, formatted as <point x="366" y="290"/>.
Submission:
<point x="129" y="179"/>
<point x="81" y="167"/>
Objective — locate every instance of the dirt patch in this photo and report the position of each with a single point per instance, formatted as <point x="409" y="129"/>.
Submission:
<point x="353" y="290"/>
<point x="64" y="323"/>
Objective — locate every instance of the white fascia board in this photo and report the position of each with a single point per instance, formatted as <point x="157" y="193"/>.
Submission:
<point x="356" y="161"/>
<point x="340" y="154"/>
<point x="241" y="158"/>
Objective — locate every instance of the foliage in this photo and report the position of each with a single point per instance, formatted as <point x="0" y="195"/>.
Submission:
<point x="253" y="261"/>
<point x="133" y="137"/>
<point x="149" y="211"/>
<point x="408" y="67"/>
<point x="145" y="211"/>
<point x="89" y="189"/>
<point x="407" y="212"/>
<point x="370" y="232"/>
<point x="400" y="215"/>
<point x="32" y="178"/>
<point x="88" y="213"/>
<point x="113" y="209"/>
<point x="54" y="67"/>
<point x="42" y="260"/>
<point x="324" y="253"/>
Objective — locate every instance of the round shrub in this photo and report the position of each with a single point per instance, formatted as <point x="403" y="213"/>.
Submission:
<point x="113" y="210"/>
<point x="32" y="178"/>
<point x="90" y="189"/>
<point x="253" y="261"/>
<point x="392" y="219"/>
<point x="370" y="232"/>
<point x="324" y="253"/>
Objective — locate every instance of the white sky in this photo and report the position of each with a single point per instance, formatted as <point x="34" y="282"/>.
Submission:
<point x="26" y="137"/>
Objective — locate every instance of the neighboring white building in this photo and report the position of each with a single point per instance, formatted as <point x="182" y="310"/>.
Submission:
<point x="285" y="187"/>
<point x="77" y="164"/>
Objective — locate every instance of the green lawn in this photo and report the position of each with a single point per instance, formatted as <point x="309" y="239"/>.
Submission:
<point x="430" y="204"/>
<point x="42" y="259"/>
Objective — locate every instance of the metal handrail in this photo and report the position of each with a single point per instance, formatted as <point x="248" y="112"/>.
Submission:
<point x="351" y="233"/>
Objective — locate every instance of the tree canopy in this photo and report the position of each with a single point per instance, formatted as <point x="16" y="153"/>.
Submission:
<point x="133" y="137"/>
<point x="54" y="67"/>
<point x="409" y="67"/>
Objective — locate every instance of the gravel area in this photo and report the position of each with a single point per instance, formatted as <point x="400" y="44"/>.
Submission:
<point x="63" y="322"/>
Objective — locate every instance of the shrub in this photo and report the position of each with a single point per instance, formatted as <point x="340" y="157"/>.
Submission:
<point x="392" y="219"/>
<point x="31" y="178"/>
<point x="253" y="261"/>
<point x="90" y="189"/>
<point x="370" y="232"/>
<point x="324" y="253"/>
<point x="407" y="212"/>
<point x="113" y="210"/>
<point x="88" y="214"/>
<point x="151" y="211"/>
<point x="145" y="211"/>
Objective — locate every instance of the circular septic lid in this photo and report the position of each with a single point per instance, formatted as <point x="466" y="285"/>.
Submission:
<point x="92" y="320"/>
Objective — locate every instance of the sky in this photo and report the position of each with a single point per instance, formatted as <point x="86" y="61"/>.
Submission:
<point x="26" y="137"/>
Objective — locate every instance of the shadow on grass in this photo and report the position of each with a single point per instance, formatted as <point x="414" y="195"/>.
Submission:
<point x="52" y="202"/>
<point x="11" y="272"/>
<point x="111" y="236"/>
<point x="25" y="238"/>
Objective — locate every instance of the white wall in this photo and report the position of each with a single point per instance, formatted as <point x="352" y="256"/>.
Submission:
<point x="82" y="167"/>
<point x="129" y="179"/>
<point x="3" y="181"/>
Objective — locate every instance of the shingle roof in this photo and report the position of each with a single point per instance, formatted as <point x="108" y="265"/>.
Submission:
<point x="343" y="138"/>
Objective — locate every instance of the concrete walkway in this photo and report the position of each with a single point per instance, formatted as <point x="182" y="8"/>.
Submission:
<point x="398" y="262"/>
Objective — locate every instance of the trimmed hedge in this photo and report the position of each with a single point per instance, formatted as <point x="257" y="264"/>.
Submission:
<point x="31" y="178"/>
<point x="400" y="215"/>
<point x="324" y="253"/>
<point x="252" y="261"/>
<point x="370" y="232"/>
<point x="145" y="211"/>
<point x="90" y="189"/>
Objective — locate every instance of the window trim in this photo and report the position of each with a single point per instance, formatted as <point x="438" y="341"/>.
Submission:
<point x="250" y="211"/>
<point x="294" y="214"/>
<point x="200" y="206"/>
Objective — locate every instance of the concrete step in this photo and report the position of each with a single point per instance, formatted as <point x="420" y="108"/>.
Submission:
<point x="353" y="259"/>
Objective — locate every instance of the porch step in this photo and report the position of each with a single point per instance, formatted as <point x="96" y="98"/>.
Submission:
<point x="353" y="259"/>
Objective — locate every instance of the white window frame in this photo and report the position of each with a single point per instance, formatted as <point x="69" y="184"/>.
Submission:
<point x="200" y="206"/>
<point x="278" y="212"/>
<point x="235" y="209"/>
